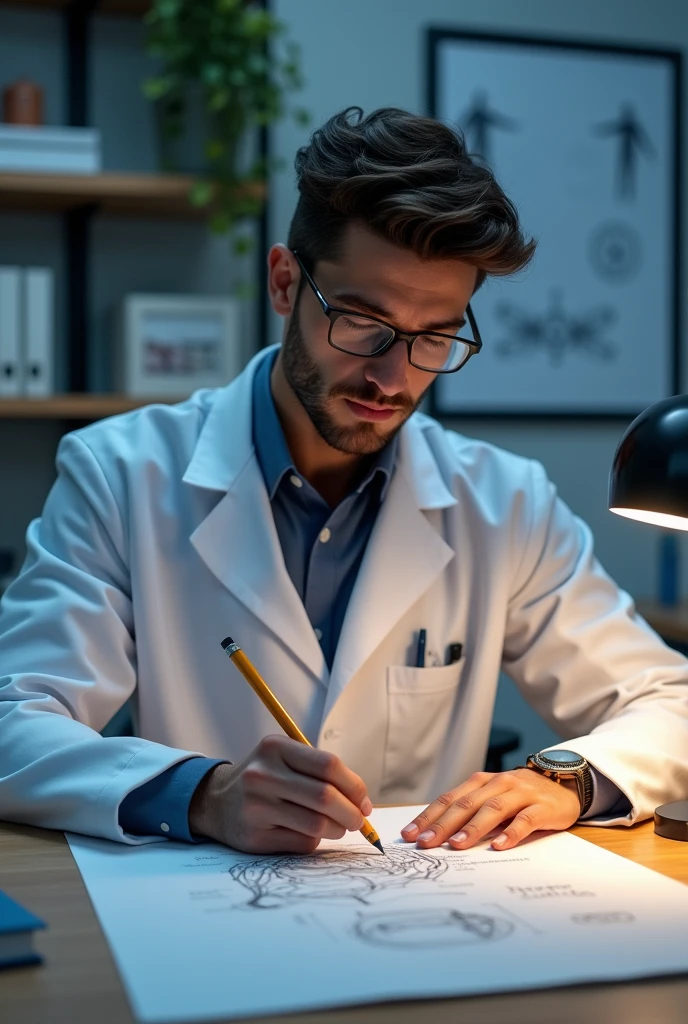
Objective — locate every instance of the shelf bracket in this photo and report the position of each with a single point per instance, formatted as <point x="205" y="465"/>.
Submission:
<point x="77" y="227"/>
<point x="77" y="29"/>
<point x="77" y="24"/>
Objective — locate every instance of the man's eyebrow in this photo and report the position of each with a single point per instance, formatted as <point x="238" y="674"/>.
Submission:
<point x="361" y="302"/>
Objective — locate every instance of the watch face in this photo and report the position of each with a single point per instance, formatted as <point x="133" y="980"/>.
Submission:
<point x="562" y="758"/>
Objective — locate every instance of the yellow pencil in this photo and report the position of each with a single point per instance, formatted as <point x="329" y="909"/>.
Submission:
<point x="256" y="681"/>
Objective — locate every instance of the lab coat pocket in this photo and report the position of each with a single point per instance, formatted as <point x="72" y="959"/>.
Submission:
<point x="419" y="712"/>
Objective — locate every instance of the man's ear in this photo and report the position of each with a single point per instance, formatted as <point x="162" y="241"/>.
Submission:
<point x="283" y="279"/>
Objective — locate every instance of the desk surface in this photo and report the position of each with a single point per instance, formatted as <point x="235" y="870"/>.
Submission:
<point x="671" y="622"/>
<point x="78" y="983"/>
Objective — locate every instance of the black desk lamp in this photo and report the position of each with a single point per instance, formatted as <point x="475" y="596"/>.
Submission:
<point x="649" y="482"/>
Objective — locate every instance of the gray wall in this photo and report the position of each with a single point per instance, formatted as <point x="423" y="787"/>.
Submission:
<point x="368" y="52"/>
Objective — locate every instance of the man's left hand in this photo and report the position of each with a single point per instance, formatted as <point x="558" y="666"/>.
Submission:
<point x="522" y="800"/>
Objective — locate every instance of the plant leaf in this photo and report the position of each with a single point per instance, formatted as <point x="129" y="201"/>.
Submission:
<point x="235" y="57"/>
<point x="201" y="193"/>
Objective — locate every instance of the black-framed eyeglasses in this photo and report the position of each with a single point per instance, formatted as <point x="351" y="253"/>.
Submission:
<point x="367" y="336"/>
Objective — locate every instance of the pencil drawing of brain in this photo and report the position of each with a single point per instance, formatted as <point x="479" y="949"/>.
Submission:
<point x="333" y="874"/>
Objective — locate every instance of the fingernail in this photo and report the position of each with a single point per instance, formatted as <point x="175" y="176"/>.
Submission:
<point x="428" y="834"/>
<point x="409" y="830"/>
<point x="367" y="806"/>
<point x="460" y="837"/>
<point x="500" y="840"/>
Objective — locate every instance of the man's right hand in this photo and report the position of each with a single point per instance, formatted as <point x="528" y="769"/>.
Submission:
<point x="284" y="798"/>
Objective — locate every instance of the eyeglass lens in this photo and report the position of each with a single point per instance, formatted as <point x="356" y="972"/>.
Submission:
<point x="360" y="336"/>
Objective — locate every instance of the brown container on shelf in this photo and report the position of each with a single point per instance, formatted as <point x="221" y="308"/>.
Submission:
<point x="22" y="103"/>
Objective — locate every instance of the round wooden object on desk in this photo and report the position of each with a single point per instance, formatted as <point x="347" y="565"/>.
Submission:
<point x="22" y="103"/>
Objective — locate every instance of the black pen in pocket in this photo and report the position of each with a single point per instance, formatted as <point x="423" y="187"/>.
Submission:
<point x="420" y="652"/>
<point x="454" y="652"/>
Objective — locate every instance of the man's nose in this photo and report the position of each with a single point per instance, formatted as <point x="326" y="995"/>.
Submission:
<point x="390" y="370"/>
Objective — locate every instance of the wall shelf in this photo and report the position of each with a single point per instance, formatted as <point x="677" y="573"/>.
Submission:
<point x="77" y="199"/>
<point x="121" y="194"/>
<point x="126" y="8"/>
<point x="78" y="406"/>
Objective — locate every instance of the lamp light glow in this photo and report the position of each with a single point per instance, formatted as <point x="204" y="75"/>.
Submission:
<point x="654" y="518"/>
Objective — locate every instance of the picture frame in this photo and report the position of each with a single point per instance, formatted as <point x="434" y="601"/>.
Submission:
<point x="171" y="345"/>
<point x="585" y="138"/>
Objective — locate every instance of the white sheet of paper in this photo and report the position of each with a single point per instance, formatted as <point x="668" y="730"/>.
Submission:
<point x="202" y="931"/>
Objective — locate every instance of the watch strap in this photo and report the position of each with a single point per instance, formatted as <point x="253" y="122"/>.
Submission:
<point x="585" y="775"/>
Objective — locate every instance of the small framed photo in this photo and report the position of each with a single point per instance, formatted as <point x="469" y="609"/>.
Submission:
<point x="170" y="345"/>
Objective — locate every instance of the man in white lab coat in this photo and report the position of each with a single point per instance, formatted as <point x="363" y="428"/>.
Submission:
<point x="309" y="512"/>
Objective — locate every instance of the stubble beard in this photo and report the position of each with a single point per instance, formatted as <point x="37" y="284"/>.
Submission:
<point x="307" y="382"/>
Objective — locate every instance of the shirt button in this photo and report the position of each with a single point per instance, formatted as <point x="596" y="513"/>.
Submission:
<point x="318" y="633"/>
<point x="324" y="535"/>
<point x="164" y="826"/>
<point x="296" y="480"/>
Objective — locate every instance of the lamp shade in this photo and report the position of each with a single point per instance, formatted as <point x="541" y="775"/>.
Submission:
<point x="649" y="475"/>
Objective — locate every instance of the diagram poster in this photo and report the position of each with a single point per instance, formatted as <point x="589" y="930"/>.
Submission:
<point x="585" y="140"/>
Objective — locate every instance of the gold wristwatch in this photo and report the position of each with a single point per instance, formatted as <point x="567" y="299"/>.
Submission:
<point x="559" y="765"/>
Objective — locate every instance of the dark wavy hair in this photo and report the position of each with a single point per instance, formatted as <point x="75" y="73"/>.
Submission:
<point x="409" y="179"/>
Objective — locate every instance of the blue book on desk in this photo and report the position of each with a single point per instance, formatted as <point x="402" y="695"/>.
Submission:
<point x="17" y="927"/>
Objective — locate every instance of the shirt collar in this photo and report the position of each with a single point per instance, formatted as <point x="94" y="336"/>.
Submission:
<point x="271" y="448"/>
<point x="268" y="437"/>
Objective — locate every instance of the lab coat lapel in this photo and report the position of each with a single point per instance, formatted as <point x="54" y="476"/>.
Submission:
<point x="238" y="540"/>
<point x="405" y="554"/>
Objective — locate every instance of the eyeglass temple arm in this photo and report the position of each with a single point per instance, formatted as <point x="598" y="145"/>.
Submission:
<point x="318" y="294"/>
<point x="474" y="326"/>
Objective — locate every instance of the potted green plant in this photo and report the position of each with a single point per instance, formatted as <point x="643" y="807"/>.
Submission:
<point x="232" y="55"/>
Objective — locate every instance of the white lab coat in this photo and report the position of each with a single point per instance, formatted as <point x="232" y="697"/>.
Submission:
<point x="157" y="541"/>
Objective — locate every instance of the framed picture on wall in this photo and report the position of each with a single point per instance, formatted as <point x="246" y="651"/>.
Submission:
<point x="170" y="345"/>
<point x="585" y="139"/>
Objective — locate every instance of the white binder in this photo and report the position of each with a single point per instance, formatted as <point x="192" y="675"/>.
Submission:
<point x="39" y="331"/>
<point x="10" y="332"/>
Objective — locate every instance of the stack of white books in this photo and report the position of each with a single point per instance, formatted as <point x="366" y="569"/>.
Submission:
<point x="27" y="331"/>
<point x="49" y="150"/>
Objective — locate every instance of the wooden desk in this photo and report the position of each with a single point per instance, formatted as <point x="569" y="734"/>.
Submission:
<point x="78" y="983"/>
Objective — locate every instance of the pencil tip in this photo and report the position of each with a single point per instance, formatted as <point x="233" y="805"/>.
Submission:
<point x="226" y="642"/>
<point x="379" y="845"/>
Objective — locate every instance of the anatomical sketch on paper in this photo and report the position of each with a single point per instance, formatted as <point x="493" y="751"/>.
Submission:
<point x="370" y="883"/>
<point x="435" y="923"/>
<point x="221" y="933"/>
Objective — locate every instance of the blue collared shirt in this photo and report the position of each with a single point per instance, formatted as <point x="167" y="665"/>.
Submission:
<point x="322" y="547"/>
